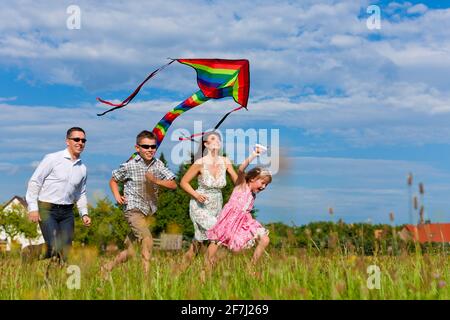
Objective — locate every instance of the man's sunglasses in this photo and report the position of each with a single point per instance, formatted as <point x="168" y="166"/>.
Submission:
<point x="147" y="146"/>
<point x="78" y="139"/>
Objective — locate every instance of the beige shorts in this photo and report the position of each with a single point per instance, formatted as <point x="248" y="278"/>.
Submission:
<point x="139" y="224"/>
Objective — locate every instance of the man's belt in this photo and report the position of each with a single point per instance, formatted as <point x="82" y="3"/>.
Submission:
<point x="55" y="205"/>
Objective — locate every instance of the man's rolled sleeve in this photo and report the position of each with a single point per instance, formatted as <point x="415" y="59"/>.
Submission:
<point x="82" y="200"/>
<point x="36" y="182"/>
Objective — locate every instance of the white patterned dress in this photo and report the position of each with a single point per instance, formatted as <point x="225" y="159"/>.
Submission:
<point x="204" y="215"/>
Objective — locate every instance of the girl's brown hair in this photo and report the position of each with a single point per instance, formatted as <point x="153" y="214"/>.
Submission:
<point x="258" y="173"/>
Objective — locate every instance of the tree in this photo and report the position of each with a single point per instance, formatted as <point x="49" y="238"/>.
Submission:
<point x="163" y="159"/>
<point x="173" y="208"/>
<point x="173" y="205"/>
<point x="109" y="225"/>
<point x="15" y="222"/>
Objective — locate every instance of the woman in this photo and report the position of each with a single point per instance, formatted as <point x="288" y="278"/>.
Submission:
<point x="206" y="202"/>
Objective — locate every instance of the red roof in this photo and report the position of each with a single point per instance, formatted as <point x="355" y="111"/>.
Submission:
<point x="430" y="232"/>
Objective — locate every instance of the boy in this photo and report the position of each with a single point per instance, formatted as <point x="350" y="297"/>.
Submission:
<point x="141" y="177"/>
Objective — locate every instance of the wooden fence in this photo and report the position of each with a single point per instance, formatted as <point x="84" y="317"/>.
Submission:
<point x="168" y="241"/>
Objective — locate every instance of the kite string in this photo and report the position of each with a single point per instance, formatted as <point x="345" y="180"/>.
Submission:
<point x="215" y="128"/>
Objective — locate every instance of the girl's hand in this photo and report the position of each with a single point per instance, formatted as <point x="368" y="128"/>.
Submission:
<point x="200" y="198"/>
<point x="259" y="149"/>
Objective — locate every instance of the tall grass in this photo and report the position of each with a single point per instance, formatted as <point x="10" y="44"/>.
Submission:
<point x="290" y="273"/>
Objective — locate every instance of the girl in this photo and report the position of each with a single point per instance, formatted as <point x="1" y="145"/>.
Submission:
<point x="235" y="227"/>
<point x="206" y="202"/>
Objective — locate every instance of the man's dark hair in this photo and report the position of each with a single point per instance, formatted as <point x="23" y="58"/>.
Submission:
<point x="145" y="134"/>
<point x="69" y="132"/>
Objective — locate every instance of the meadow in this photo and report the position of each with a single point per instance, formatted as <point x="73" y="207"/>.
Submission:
<point x="293" y="273"/>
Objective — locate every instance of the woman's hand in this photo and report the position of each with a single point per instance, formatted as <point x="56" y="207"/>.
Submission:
<point x="200" y="197"/>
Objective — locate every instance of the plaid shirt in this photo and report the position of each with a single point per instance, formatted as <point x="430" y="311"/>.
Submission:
<point x="139" y="193"/>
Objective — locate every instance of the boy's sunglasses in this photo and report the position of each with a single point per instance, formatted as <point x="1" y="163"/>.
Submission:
<point x="78" y="140"/>
<point x="148" y="146"/>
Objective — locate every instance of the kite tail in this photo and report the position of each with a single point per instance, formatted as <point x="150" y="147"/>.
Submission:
<point x="163" y="125"/>
<point x="136" y="91"/>
<point x="193" y="101"/>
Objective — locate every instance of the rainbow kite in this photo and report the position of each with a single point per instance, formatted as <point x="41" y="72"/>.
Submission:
<point x="216" y="78"/>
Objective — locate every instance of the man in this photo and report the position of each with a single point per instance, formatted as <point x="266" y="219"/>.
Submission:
<point x="57" y="183"/>
<point x="141" y="177"/>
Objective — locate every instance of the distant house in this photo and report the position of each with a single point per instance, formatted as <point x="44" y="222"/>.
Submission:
<point x="428" y="232"/>
<point x="16" y="200"/>
<point x="378" y="233"/>
<point x="5" y="240"/>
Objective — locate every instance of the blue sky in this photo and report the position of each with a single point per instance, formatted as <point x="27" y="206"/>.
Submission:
<point x="356" y="109"/>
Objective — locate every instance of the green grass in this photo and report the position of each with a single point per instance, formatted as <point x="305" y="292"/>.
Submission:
<point x="282" y="274"/>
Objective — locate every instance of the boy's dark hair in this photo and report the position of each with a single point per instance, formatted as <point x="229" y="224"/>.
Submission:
<point x="258" y="173"/>
<point x="145" y="134"/>
<point x="69" y="132"/>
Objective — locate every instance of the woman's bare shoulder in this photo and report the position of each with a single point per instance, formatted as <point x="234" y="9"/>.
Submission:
<point x="226" y="160"/>
<point x="198" y="162"/>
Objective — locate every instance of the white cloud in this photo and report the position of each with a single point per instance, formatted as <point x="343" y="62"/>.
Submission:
<point x="317" y="44"/>
<point x="363" y="173"/>
<point x="6" y="99"/>
<point x="417" y="9"/>
<point x="314" y="67"/>
<point x="357" y="189"/>
<point x="9" y="168"/>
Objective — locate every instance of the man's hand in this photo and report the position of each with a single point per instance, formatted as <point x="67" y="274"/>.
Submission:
<point x="86" y="220"/>
<point x="34" y="216"/>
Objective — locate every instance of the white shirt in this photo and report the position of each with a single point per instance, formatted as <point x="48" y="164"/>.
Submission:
<point x="59" y="180"/>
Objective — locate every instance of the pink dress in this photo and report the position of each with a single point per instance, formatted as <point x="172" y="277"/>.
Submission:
<point x="235" y="227"/>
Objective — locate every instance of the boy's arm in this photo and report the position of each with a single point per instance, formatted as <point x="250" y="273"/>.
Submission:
<point x="119" y="175"/>
<point x="168" y="178"/>
<point x="170" y="184"/>
<point x="115" y="191"/>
